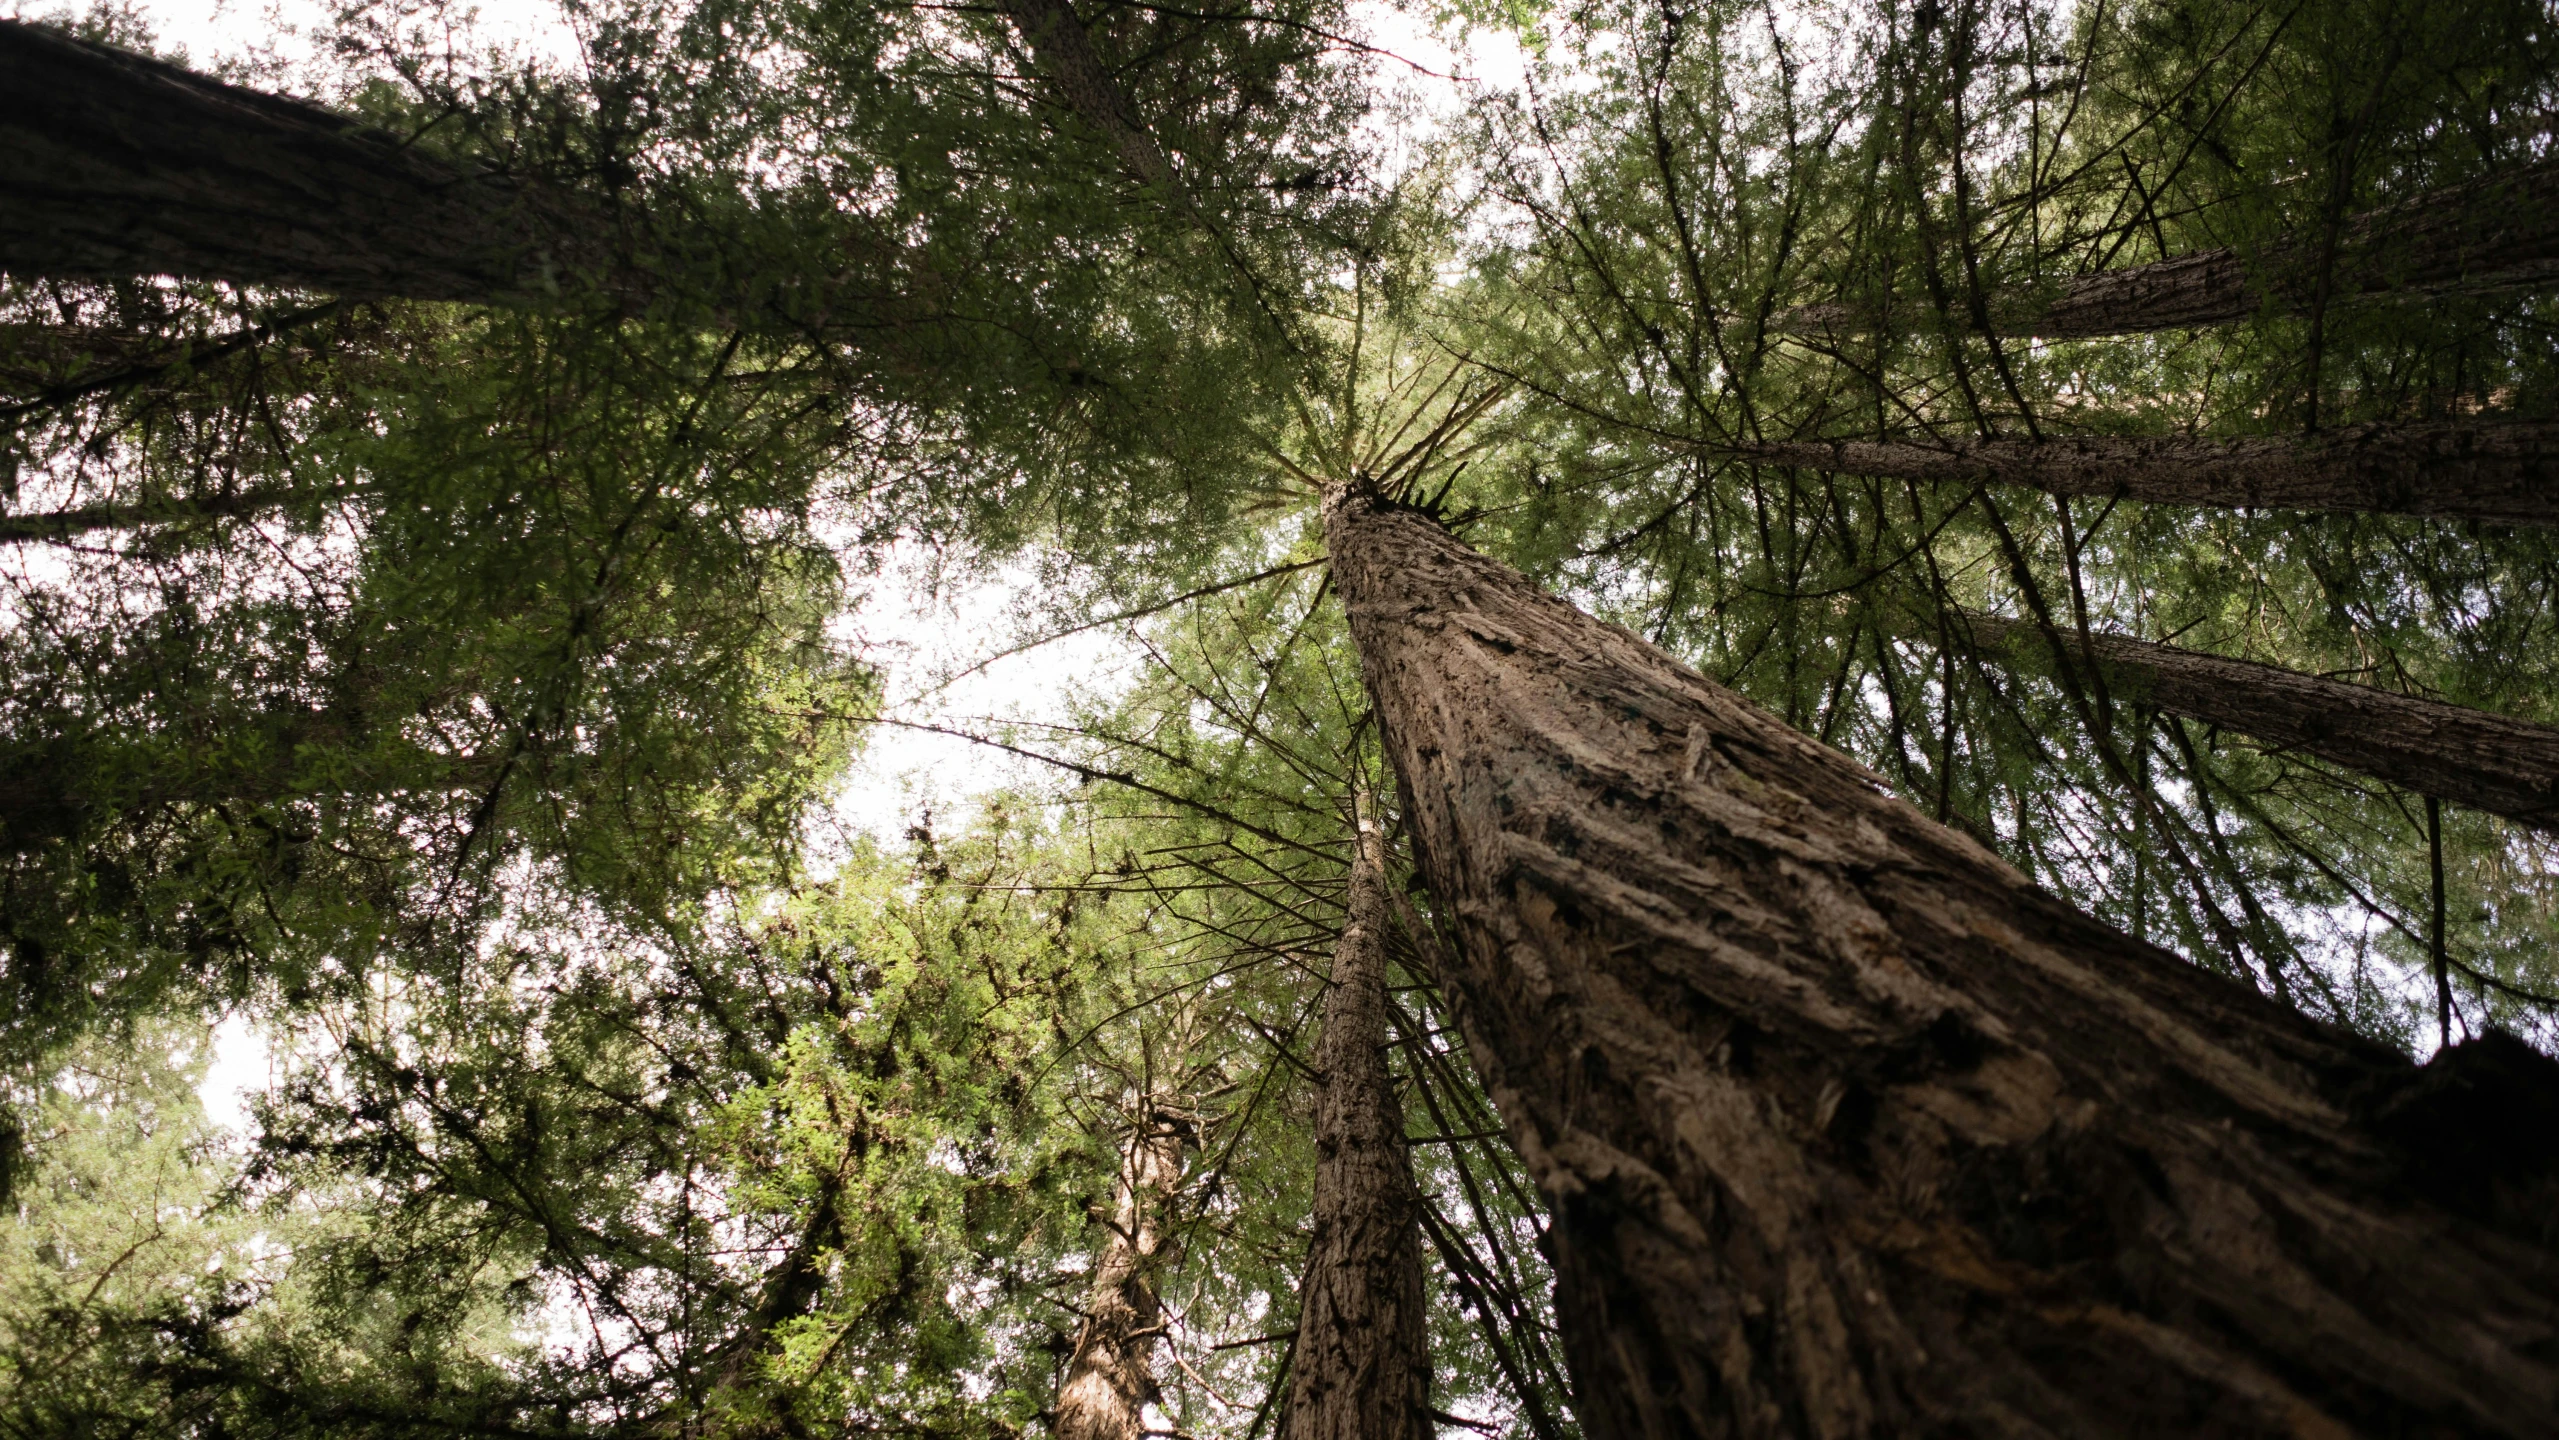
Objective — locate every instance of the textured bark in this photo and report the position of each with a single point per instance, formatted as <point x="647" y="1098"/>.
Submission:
<point x="113" y="164"/>
<point x="1849" y="1130"/>
<point x="2508" y="473"/>
<point x="2471" y="757"/>
<point x="2500" y="233"/>
<point x="1064" y="51"/>
<point x="1110" y="1376"/>
<point x="1361" y="1367"/>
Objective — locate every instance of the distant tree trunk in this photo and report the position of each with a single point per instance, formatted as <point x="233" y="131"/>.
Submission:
<point x="1110" y="1376"/>
<point x="2471" y="757"/>
<point x="62" y="526"/>
<point x="1849" y="1130"/>
<point x="2507" y="473"/>
<point x="2498" y="233"/>
<point x="113" y="164"/>
<point x="1362" y="1363"/>
<point x="1063" y="49"/>
<point x="64" y="786"/>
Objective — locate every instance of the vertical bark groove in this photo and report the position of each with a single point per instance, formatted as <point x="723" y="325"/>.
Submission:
<point x="1361" y="1369"/>
<point x="2471" y="757"/>
<point x="1851" y="1131"/>
<point x="1110" y="1375"/>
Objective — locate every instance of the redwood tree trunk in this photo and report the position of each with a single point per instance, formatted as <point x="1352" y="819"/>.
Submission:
<point x="1110" y="1376"/>
<point x="64" y="526"/>
<point x="1063" y="49"/>
<point x="1361" y="1368"/>
<point x="2507" y="473"/>
<point x="1849" y="1130"/>
<point x="2471" y="757"/>
<point x="2499" y="233"/>
<point x="2493" y="234"/>
<point x="113" y="164"/>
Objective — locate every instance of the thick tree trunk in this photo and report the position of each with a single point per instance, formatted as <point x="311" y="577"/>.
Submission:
<point x="2506" y="473"/>
<point x="2471" y="757"/>
<point x="2500" y="233"/>
<point x="1110" y="1376"/>
<point x="1849" y="1130"/>
<point x="1361" y="1368"/>
<point x="113" y="164"/>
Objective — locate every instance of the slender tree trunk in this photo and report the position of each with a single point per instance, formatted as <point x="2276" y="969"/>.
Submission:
<point x="1362" y="1364"/>
<point x="63" y="526"/>
<point x="65" y="785"/>
<point x="1849" y="1130"/>
<point x="2507" y="473"/>
<point x="1063" y="50"/>
<point x="1110" y="1376"/>
<point x="2499" y="233"/>
<point x="2471" y="757"/>
<point x="113" y="164"/>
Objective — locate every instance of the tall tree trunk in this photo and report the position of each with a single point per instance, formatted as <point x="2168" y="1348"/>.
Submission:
<point x="1063" y="50"/>
<point x="62" y="786"/>
<point x="1110" y="1376"/>
<point x="1362" y="1364"/>
<point x="113" y="164"/>
<point x="2498" y="233"/>
<point x="1849" y="1130"/>
<point x="2507" y="473"/>
<point x="66" y="525"/>
<point x="2471" y="757"/>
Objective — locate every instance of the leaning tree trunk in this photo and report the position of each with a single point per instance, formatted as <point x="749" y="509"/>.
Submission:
<point x="113" y="165"/>
<point x="1850" y="1130"/>
<point x="1110" y="1375"/>
<point x="1063" y="50"/>
<point x="2498" y="233"/>
<point x="2471" y="757"/>
<point x="70" y="524"/>
<point x="1361" y="1368"/>
<point x="2507" y="473"/>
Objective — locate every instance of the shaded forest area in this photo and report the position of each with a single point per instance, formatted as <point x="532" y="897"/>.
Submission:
<point x="1841" y="721"/>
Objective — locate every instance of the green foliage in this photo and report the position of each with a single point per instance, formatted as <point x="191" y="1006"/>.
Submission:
<point x="453" y="690"/>
<point x="1746" y="230"/>
<point x="547" y="605"/>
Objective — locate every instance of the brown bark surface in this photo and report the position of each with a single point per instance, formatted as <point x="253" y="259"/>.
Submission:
<point x="1361" y="1367"/>
<point x="2499" y="233"/>
<point x="2471" y="757"/>
<point x="1849" y="1130"/>
<point x="1110" y="1375"/>
<point x="113" y="164"/>
<point x="2506" y="473"/>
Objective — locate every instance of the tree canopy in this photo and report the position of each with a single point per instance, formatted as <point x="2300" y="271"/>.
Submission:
<point x="443" y="490"/>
